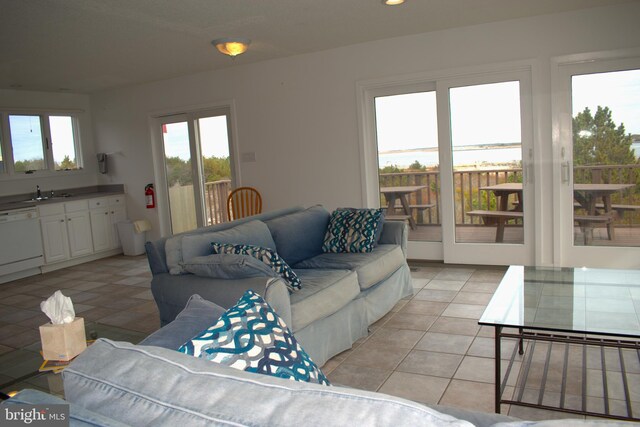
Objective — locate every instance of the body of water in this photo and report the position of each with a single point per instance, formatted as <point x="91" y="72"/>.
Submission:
<point x="463" y="157"/>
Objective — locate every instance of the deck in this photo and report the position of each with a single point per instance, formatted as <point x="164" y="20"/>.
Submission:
<point x="625" y="236"/>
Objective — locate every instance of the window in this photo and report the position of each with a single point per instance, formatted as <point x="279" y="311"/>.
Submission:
<point x="38" y="142"/>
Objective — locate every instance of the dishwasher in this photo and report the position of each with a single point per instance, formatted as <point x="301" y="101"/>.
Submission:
<point x="20" y="240"/>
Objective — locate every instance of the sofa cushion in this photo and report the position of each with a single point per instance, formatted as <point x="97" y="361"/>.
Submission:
<point x="184" y="247"/>
<point x="251" y="337"/>
<point x="268" y="256"/>
<point x="379" y="228"/>
<point x="112" y="378"/>
<point x="352" y="230"/>
<point x="227" y="266"/>
<point x="197" y="315"/>
<point x="299" y="235"/>
<point x="324" y="293"/>
<point x="371" y="268"/>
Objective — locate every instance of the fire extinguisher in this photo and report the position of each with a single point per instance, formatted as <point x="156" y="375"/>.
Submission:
<point x="150" y="195"/>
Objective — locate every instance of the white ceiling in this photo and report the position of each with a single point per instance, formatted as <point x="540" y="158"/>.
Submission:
<point x="92" y="45"/>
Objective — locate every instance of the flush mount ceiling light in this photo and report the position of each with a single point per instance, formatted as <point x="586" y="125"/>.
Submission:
<point x="231" y="46"/>
<point x="392" y="2"/>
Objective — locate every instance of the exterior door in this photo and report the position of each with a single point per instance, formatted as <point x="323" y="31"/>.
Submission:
<point x="454" y="160"/>
<point x="598" y="163"/>
<point x="197" y="171"/>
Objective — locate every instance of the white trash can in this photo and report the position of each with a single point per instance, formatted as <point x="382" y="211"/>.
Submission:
<point x="132" y="242"/>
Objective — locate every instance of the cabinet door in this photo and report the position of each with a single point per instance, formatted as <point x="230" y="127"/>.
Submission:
<point x="79" y="229"/>
<point x="116" y="214"/>
<point x="101" y="229"/>
<point x="54" y="238"/>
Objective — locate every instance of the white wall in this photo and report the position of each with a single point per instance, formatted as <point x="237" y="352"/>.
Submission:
<point x="299" y="114"/>
<point x="60" y="180"/>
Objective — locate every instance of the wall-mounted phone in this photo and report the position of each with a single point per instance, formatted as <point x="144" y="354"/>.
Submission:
<point x="102" y="162"/>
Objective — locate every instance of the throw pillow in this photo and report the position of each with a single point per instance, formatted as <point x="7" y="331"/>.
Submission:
<point x="379" y="228"/>
<point x="267" y="256"/>
<point x="251" y="337"/>
<point x="352" y="230"/>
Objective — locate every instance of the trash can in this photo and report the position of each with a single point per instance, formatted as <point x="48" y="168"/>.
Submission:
<point x="132" y="242"/>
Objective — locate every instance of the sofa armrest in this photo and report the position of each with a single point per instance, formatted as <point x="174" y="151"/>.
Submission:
<point x="395" y="233"/>
<point x="171" y="293"/>
<point x="157" y="262"/>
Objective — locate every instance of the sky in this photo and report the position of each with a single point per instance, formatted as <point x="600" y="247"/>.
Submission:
<point x="490" y="113"/>
<point x="213" y="136"/>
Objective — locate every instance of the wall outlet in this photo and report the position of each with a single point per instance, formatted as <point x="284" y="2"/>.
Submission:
<point x="248" y="157"/>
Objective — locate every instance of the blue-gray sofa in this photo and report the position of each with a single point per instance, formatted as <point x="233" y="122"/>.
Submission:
<point x="116" y="384"/>
<point x="342" y="293"/>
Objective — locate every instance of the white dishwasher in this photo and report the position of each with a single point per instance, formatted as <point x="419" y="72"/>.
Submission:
<point x="20" y="240"/>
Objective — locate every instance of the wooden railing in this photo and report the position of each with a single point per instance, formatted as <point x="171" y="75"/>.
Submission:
<point x="468" y="195"/>
<point x="215" y="200"/>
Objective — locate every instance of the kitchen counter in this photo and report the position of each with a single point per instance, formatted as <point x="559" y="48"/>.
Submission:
<point x="22" y="201"/>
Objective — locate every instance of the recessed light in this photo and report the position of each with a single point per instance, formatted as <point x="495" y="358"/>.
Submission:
<point x="392" y="2"/>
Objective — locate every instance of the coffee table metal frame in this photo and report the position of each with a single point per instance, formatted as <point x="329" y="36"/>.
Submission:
<point x="531" y="334"/>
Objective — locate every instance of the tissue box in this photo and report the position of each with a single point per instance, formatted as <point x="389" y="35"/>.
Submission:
<point x="64" y="341"/>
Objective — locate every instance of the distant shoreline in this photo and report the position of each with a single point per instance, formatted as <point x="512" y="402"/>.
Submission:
<point x="458" y="148"/>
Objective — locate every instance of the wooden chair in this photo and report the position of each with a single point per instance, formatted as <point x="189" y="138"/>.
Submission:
<point x="243" y="202"/>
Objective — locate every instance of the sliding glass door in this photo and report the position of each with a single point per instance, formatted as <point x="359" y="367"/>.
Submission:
<point x="454" y="160"/>
<point x="599" y="163"/>
<point x="198" y="168"/>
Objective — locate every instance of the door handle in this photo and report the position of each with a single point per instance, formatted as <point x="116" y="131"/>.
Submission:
<point x="565" y="172"/>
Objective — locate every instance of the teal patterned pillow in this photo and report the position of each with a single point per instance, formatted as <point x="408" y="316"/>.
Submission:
<point x="251" y="337"/>
<point x="352" y="230"/>
<point x="266" y="255"/>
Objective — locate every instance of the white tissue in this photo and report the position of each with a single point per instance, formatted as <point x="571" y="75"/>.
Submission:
<point x="58" y="308"/>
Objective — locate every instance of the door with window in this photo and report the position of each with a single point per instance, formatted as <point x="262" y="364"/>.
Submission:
<point x="197" y="169"/>
<point x="454" y="160"/>
<point x="598" y="115"/>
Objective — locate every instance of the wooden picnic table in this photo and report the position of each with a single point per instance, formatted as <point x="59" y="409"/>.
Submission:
<point x="587" y="196"/>
<point x="400" y="193"/>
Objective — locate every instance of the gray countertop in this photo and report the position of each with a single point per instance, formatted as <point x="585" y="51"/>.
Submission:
<point x="22" y="201"/>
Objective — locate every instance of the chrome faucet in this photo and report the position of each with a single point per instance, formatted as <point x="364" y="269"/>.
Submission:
<point x="38" y="193"/>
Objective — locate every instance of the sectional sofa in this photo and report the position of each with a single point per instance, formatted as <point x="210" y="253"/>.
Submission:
<point x="341" y="295"/>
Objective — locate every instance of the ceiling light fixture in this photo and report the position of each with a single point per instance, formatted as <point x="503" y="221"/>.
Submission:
<point x="392" y="2"/>
<point x="232" y="46"/>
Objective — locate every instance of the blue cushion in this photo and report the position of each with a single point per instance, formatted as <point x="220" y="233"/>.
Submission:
<point x="299" y="235"/>
<point x="197" y="315"/>
<point x="269" y="257"/>
<point x="182" y="248"/>
<point x="227" y="266"/>
<point x="251" y="337"/>
<point x="352" y="230"/>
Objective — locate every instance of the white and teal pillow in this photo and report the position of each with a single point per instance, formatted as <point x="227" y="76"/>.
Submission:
<point x="267" y="256"/>
<point x="251" y="337"/>
<point x="352" y="230"/>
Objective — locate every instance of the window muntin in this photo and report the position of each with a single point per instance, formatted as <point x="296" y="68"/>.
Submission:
<point x="63" y="144"/>
<point x="26" y="143"/>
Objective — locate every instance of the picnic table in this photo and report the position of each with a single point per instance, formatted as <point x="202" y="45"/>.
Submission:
<point x="393" y="194"/>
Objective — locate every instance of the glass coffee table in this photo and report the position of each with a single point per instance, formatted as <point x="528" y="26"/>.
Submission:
<point x="573" y="338"/>
<point x="19" y="369"/>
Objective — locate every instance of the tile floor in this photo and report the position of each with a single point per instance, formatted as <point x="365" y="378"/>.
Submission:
<point x="429" y="348"/>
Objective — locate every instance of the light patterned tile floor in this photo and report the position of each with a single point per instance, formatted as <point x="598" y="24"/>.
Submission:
<point x="429" y="348"/>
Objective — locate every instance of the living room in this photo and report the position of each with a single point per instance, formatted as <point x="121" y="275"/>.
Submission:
<point x="299" y="120"/>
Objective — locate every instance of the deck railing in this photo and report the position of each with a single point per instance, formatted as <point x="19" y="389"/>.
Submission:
<point x="468" y="195"/>
<point x="215" y="200"/>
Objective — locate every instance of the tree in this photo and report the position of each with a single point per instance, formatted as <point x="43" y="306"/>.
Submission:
<point x="417" y="166"/>
<point x="67" y="164"/>
<point x="597" y="140"/>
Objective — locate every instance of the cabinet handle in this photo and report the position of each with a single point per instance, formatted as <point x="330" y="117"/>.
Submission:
<point x="106" y="213"/>
<point x="112" y="212"/>
<point x="62" y="220"/>
<point x="69" y="219"/>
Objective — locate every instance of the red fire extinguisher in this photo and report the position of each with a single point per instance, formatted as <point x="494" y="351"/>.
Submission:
<point x="150" y="195"/>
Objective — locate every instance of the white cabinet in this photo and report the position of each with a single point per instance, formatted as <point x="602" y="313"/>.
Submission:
<point x="80" y="227"/>
<point x="54" y="238"/>
<point x="106" y="212"/>
<point x="66" y="230"/>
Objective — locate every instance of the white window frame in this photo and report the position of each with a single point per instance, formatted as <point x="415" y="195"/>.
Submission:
<point x="9" y="172"/>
